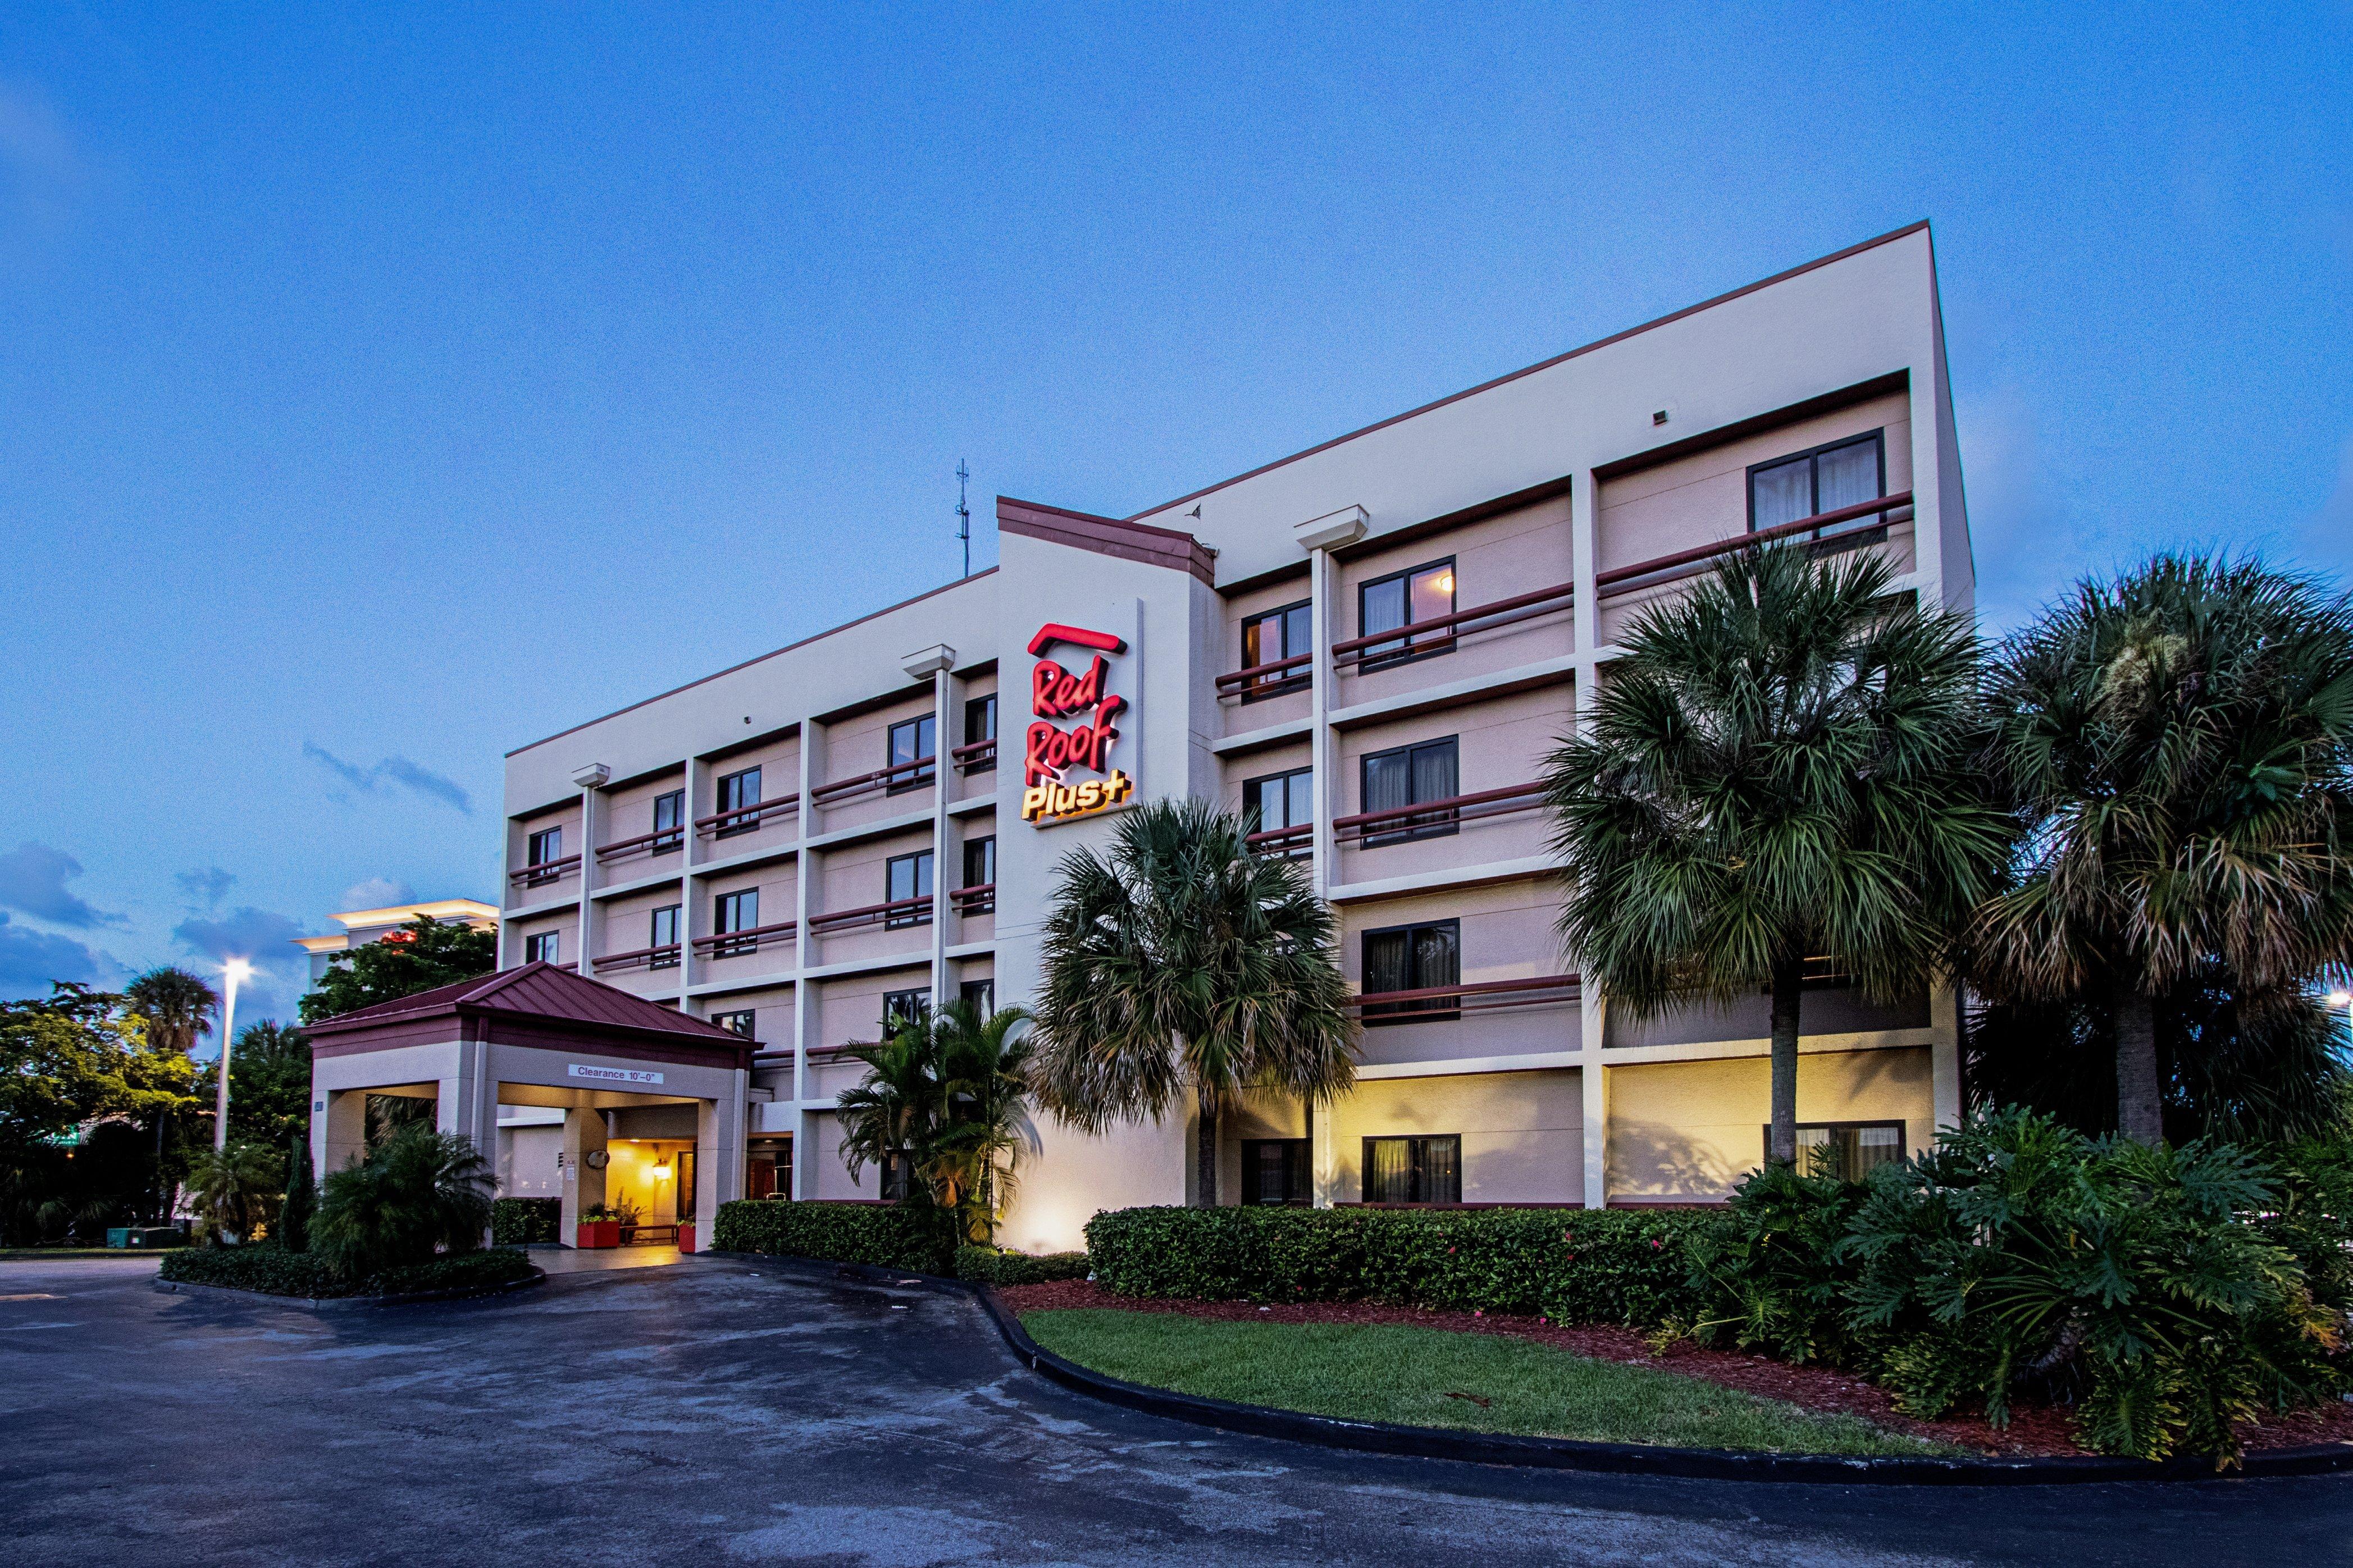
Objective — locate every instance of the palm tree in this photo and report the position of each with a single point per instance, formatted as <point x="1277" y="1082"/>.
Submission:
<point x="176" y="1006"/>
<point x="1183" y="964"/>
<point x="889" y="1117"/>
<point x="420" y="1191"/>
<point x="2178" y="751"/>
<point x="236" y="1189"/>
<point x="983" y="1073"/>
<point x="1775" y="779"/>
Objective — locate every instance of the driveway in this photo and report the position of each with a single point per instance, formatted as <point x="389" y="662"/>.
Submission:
<point x="731" y="1409"/>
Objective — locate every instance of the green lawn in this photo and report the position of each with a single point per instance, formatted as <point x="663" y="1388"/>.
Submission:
<point x="1432" y="1378"/>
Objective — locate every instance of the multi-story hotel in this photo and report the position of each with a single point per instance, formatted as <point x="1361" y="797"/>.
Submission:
<point x="1369" y="647"/>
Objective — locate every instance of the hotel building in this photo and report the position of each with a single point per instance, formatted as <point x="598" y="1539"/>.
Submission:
<point x="1369" y="647"/>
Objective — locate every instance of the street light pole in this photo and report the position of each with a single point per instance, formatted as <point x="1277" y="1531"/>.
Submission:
<point x="234" y="970"/>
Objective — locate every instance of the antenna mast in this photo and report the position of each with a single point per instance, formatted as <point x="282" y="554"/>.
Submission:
<point x="963" y="515"/>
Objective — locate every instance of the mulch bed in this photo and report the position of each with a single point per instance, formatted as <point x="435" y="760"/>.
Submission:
<point x="2034" y="1431"/>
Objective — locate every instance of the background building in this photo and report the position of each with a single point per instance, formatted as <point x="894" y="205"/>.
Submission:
<point x="364" y="926"/>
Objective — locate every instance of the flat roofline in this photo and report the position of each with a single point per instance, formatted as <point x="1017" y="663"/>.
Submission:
<point x="756" y="658"/>
<point x="1893" y="235"/>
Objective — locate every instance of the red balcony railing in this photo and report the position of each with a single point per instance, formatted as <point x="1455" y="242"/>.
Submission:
<point x="661" y="841"/>
<point x="980" y="898"/>
<point x="1626" y="579"/>
<point x="751" y="939"/>
<point x="1454" y="808"/>
<point x="1270" y="676"/>
<point x="545" y="872"/>
<point x="662" y="957"/>
<point x="1431" y="1004"/>
<point x="918" y="770"/>
<point x="1440" y="631"/>
<point x="975" y="755"/>
<point x="742" y="819"/>
<point x="911" y="911"/>
<point x="1283" y="840"/>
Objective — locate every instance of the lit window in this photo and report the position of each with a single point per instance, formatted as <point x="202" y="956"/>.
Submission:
<point x="1413" y="1170"/>
<point x="1405" y="599"/>
<point x="1851" y="1150"/>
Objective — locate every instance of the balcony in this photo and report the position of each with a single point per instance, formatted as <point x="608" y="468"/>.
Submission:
<point x="742" y="819"/>
<point x="980" y="898"/>
<point x="545" y="872"/>
<point x="1831" y="531"/>
<point x="660" y="842"/>
<point x="1438" y="1003"/>
<point x="735" y="943"/>
<point x="1375" y="827"/>
<point x="914" y="772"/>
<point x="976" y="757"/>
<point x="662" y="957"/>
<point x="897" y="914"/>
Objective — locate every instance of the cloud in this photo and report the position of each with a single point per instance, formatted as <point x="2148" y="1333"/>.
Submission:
<point x="29" y="959"/>
<point x="204" y="890"/>
<point x="392" y="771"/>
<point x="33" y="880"/>
<point x="378" y="892"/>
<point x="261" y="935"/>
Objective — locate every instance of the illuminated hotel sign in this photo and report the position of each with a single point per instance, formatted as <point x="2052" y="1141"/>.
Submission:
<point x="1052" y="753"/>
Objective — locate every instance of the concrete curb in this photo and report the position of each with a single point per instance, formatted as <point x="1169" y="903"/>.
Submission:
<point x="1624" y="1458"/>
<point x="331" y="1303"/>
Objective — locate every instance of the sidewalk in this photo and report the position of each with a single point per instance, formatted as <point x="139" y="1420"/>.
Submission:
<point x="574" y="1260"/>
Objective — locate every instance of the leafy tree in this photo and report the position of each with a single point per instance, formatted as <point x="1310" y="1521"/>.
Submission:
<point x="420" y="955"/>
<point x="235" y="1189"/>
<point x="1776" y="773"/>
<point x="176" y="1006"/>
<point x="1180" y="965"/>
<point x="269" y="1085"/>
<point x="2178" y="748"/>
<point x="74" y="1056"/>
<point x="422" y="1190"/>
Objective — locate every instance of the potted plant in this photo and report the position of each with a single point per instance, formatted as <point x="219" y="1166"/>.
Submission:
<point x="627" y="1215"/>
<point x="599" y="1227"/>
<point x="686" y="1236"/>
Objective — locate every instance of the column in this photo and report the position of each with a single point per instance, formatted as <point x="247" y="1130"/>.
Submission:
<point x="1592" y="1077"/>
<point x="584" y="1134"/>
<point x="588" y="832"/>
<point x="688" y="899"/>
<point x="803" y="1175"/>
<point x="943" y="879"/>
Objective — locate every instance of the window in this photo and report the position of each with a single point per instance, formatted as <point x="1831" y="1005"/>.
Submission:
<point x="912" y="741"/>
<point x="1278" y="801"/>
<point x="542" y="848"/>
<point x="663" y="934"/>
<point x="1849" y="1148"/>
<point x="1413" y="958"/>
<point x="981" y="994"/>
<point x="739" y="793"/>
<point x="980" y="724"/>
<point x="542" y="947"/>
<point x="1271" y="635"/>
<point x="741" y="1023"/>
<point x="898" y="1177"/>
<point x="1411" y="775"/>
<point x="670" y="820"/>
<point x="908" y="876"/>
<point x="731" y="912"/>
<point x="904" y="1008"/>
<point x="1275" y="1171"/>
<point x="1405" y="599"/>
<point x="980" y="862"/>
<point x="1842" y="474"/>
<point x="1413" y="1170"/>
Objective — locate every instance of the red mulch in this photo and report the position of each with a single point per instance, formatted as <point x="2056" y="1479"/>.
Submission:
<point x="2033" y="1430"/>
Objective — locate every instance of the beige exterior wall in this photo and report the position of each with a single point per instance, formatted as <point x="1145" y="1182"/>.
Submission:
<point x="1522" y="1132"/>
<point x="1691" y="1129"/>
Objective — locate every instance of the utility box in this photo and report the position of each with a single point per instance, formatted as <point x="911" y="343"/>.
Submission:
<point x="145" y="1236"/>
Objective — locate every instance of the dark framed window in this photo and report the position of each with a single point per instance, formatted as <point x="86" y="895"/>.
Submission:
<point x="540" y="849"/>
<point x="1417" y="774"/>
<point x="981" y="994"/>
<point x="980" y="862"/>
<point x="1850" y="1149"/>
<point x="1405" y="599"/>
<point x="1276" y="801"/>
<point x="1273" y="635"/>
<point x="733" y="912"/>
<point x="1413" y="958"/>
<point x="1276" y="1171"/>
<point x="905" y="1006"/>
<point x="742" y="1022"/>
<point x="912" y="741"/>
<point x="670" y="820"/>
<point x="907" y="877"/>
<point x="1414" y="1170"/>
<point x="662" y="931"/>
<point x="543" y="947"/>
<point x="980" y="724"/>
<point x="738" y="793"/>
<point x="1840" y="473"/>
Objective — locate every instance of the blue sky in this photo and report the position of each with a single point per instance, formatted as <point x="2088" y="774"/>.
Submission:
<point x="380" y="393"/>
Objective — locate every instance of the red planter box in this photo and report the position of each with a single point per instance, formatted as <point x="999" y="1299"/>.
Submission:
<point x="598" y="1233"/>
<point x="686" y="1238"/>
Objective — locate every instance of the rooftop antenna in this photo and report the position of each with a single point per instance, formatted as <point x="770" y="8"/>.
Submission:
<point x="963" y="515"/>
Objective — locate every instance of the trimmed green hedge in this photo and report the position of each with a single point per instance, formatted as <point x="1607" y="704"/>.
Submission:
<point x="274" y="1271"/>
<point x="522" y="1222"/>
<point x="922" y="1240"/>
<point x="990" y="1265"/>
<point x="1612" y="1266"/>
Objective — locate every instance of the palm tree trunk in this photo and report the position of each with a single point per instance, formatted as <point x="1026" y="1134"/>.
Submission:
<point x="1789" y="981"/>
<point x="1205" y="1150"/>
<point x="2140" y="1101"/>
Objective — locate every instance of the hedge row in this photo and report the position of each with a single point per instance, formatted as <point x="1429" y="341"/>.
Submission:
<point x="989" y="1265"/>
<point x="922" y="1240"/>
<point x="1614" y="1266"/>
<point x="274" y="1271"/>
<point x="523" y="1222"/>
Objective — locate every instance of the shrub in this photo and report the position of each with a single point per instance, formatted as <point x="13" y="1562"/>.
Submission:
<point x="418" y="1190"/>
<point x="1603" y="1267"/>
<point x="522" y="1222"/>
<point x="274" y="1271"/>
<point x="921" y="1239"/>
<point x="992" y="1266"/>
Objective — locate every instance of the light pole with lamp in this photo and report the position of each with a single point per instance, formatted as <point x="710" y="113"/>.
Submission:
<point x="235" y="970"/>
<point x="2343" y="1002"/>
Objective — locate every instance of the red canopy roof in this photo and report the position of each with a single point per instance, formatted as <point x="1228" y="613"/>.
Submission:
<point x="545" y="994"/>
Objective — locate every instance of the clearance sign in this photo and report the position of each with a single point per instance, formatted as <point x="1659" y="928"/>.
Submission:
<point x="1073" y="730"/>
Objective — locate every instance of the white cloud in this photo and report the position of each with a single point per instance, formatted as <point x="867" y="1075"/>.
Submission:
<point x="378" y="892"/>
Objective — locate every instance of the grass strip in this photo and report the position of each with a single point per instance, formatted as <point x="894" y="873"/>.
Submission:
<point x="1435" y="1377"/>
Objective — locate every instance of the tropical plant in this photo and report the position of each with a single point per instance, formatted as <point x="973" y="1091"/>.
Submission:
<point x="889" y="1116"/>
<point x="176" y="1006"/>
<point x="421" y="1190"/>
<point x="943" y="1109"/>
<point x="382" y="1115"/>
<point x="270" y="1084"/>
<point x="1181" y="965"/>
<point x="235" y="1189"/>
<point x="420" y="955"/>
<point x="1775" y="780"/>
<point x="2178" y="749"/>
<point x="293" y="1230"/>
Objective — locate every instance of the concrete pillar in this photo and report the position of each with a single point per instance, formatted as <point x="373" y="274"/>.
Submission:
<point x="339" y="1132"/>
<point x="583" y="1188"/>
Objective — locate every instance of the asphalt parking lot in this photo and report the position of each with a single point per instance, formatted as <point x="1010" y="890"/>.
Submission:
<point x="757" y="1410"/>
